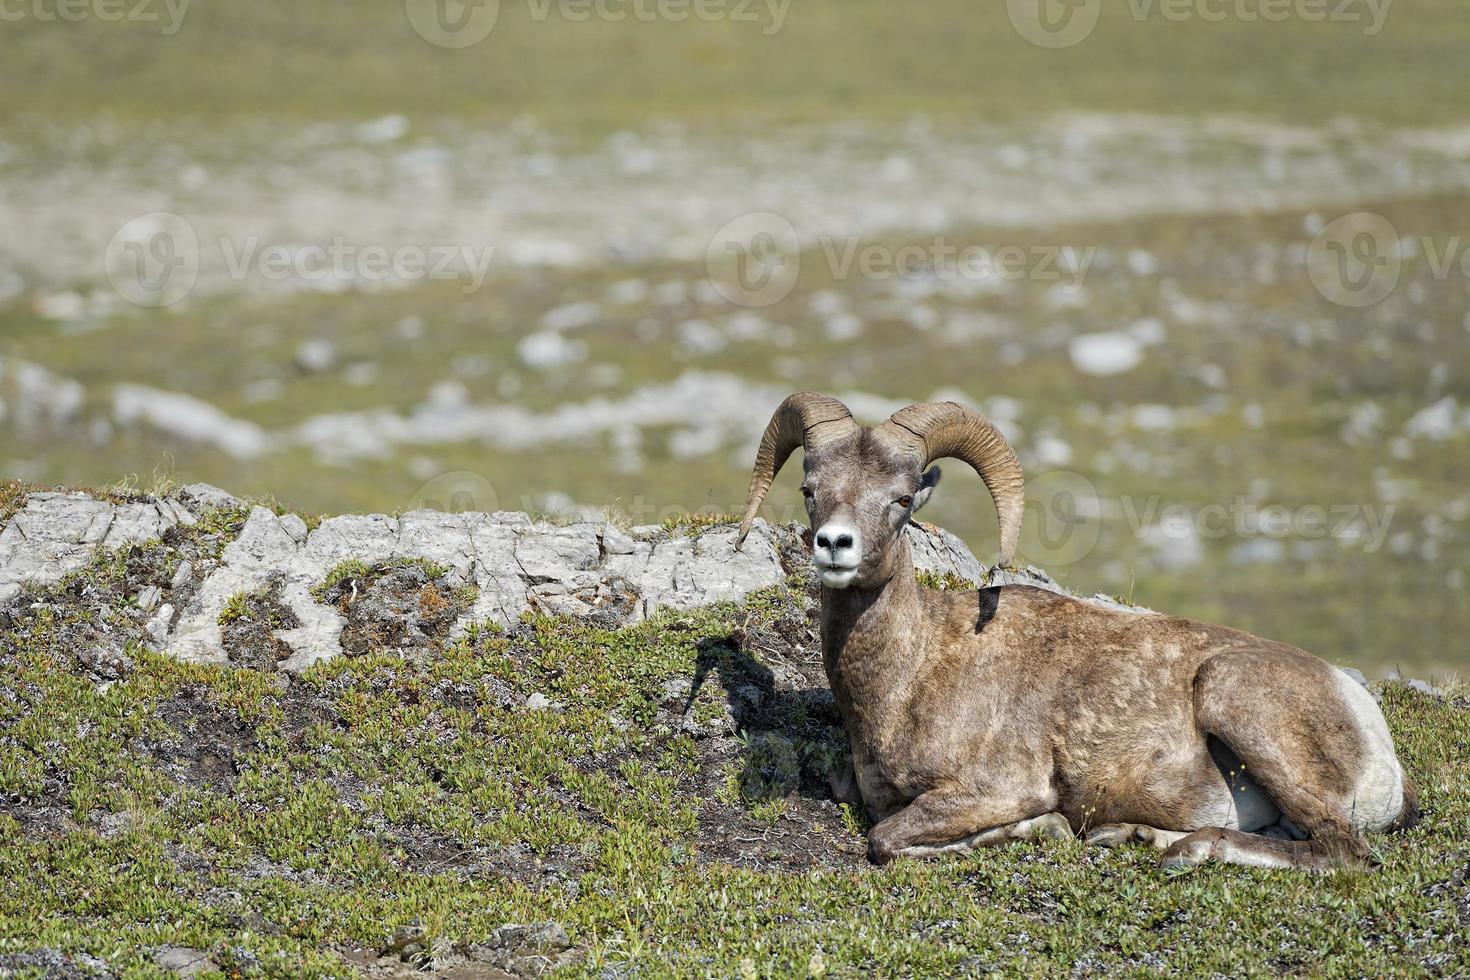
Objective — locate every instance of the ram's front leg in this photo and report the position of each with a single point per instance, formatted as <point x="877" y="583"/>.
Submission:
<point x="844" y="785"/>
<point x="947" y="821"/>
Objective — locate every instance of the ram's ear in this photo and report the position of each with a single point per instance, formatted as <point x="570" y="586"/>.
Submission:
<point x="927" y="483"/>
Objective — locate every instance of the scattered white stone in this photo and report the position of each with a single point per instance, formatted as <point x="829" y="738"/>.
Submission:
<point x="383" y="130"/>
<point x="572" y="316"/>
<point x="1148" y="331"/>
<point x="1052" y="451"/>
<point x="699" y="337"/>
<point x="1213" y="375"/>
<point x="188" y="418"/>
<point x="33" y="396"/>
<point x="844" y="327"/>
<point x="1142" y="263"/>
<point x="61" y="306"/>
<point x="1153" y="418"/>
<point x="316" y="355"/>
<point x="1104" y="354"/>
<point x="1438" y="422"/>
<point x="149" y="597"/>
<point x="549" y="349"/>
<point x="627" y="291"/>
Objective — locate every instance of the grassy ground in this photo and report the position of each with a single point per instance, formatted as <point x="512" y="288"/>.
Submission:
<point x="668" y="806"/>
<point x="277" y="58"/>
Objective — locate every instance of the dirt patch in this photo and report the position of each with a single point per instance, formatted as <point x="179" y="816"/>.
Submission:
<point x="202" y="743"/>
<point x="249" y="632"/>
<point x="405" y="608"/>
<point x="510" y="951"/>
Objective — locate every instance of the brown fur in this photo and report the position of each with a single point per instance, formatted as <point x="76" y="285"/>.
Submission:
<point x="971" y="712"/>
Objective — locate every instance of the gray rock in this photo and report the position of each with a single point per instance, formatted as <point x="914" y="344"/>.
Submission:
<point x="615" y="542"/>
<point x="149" y="597"/>
<point x="158" y="627"/>
<point x="539" y="701"/>
<point x="514" y="563"/>
<point x="57" y="534"/>
<point x="1424" y="687"/>
<point x="184" y="961"/>
<point x="9" y="592"/>
<point x="936" y="550"/>
<point x="315" y="356"/>
<point x="182" y="575"/>
<point x="1355" y="674"/>
<point x="187" y="418"/>
<point x="208" y="495"/>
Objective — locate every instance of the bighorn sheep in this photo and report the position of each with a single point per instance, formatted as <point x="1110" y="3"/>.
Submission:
<point x="978" y="717"/>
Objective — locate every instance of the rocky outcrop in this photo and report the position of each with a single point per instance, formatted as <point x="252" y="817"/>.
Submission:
<point x="481" y="568"/>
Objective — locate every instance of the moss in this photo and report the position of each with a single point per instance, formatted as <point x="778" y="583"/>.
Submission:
<point x="698" y="521"/>
<point x="237" y="607"/>
<point x="364" y="575"/>
<point x="13" y="494"/>
<point x="343" y="571"/>
<point x="947" y="582"/>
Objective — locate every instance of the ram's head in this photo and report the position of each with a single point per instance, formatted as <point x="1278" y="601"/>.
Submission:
<point x="862" y="485"/>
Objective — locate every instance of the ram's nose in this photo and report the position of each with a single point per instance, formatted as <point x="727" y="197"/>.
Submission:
<point x="836" y="551"/>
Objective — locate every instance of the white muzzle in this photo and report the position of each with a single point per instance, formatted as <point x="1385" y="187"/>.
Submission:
<point x="836" y="551"/>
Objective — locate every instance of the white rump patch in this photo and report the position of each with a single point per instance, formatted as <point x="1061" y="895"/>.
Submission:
<point x="1378" y="797"/>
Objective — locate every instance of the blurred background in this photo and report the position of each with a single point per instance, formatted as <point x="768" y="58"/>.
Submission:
<point x="1206" y="263"/>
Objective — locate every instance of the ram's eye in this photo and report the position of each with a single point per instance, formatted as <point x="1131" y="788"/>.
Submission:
<point x="806" y="491"/>
<point x="904" y="501"/>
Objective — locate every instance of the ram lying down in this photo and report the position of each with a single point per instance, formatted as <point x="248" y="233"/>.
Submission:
<point x="1009" y="712"/>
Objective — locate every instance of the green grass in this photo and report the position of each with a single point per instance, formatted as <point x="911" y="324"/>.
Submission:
<point x="952" y="59"/>
<point x="275" y="825"/>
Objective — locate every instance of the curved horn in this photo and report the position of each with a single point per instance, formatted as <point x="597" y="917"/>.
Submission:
<point x="940" y="429"/>
<point x="805" y="419"/>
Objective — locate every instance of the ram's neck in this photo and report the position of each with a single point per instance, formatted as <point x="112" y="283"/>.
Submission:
<point x="873" y="640"/>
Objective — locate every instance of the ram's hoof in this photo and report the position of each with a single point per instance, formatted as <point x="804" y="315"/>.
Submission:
<point x="1113" y="835"/>
<point x="1050" y="826"/>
